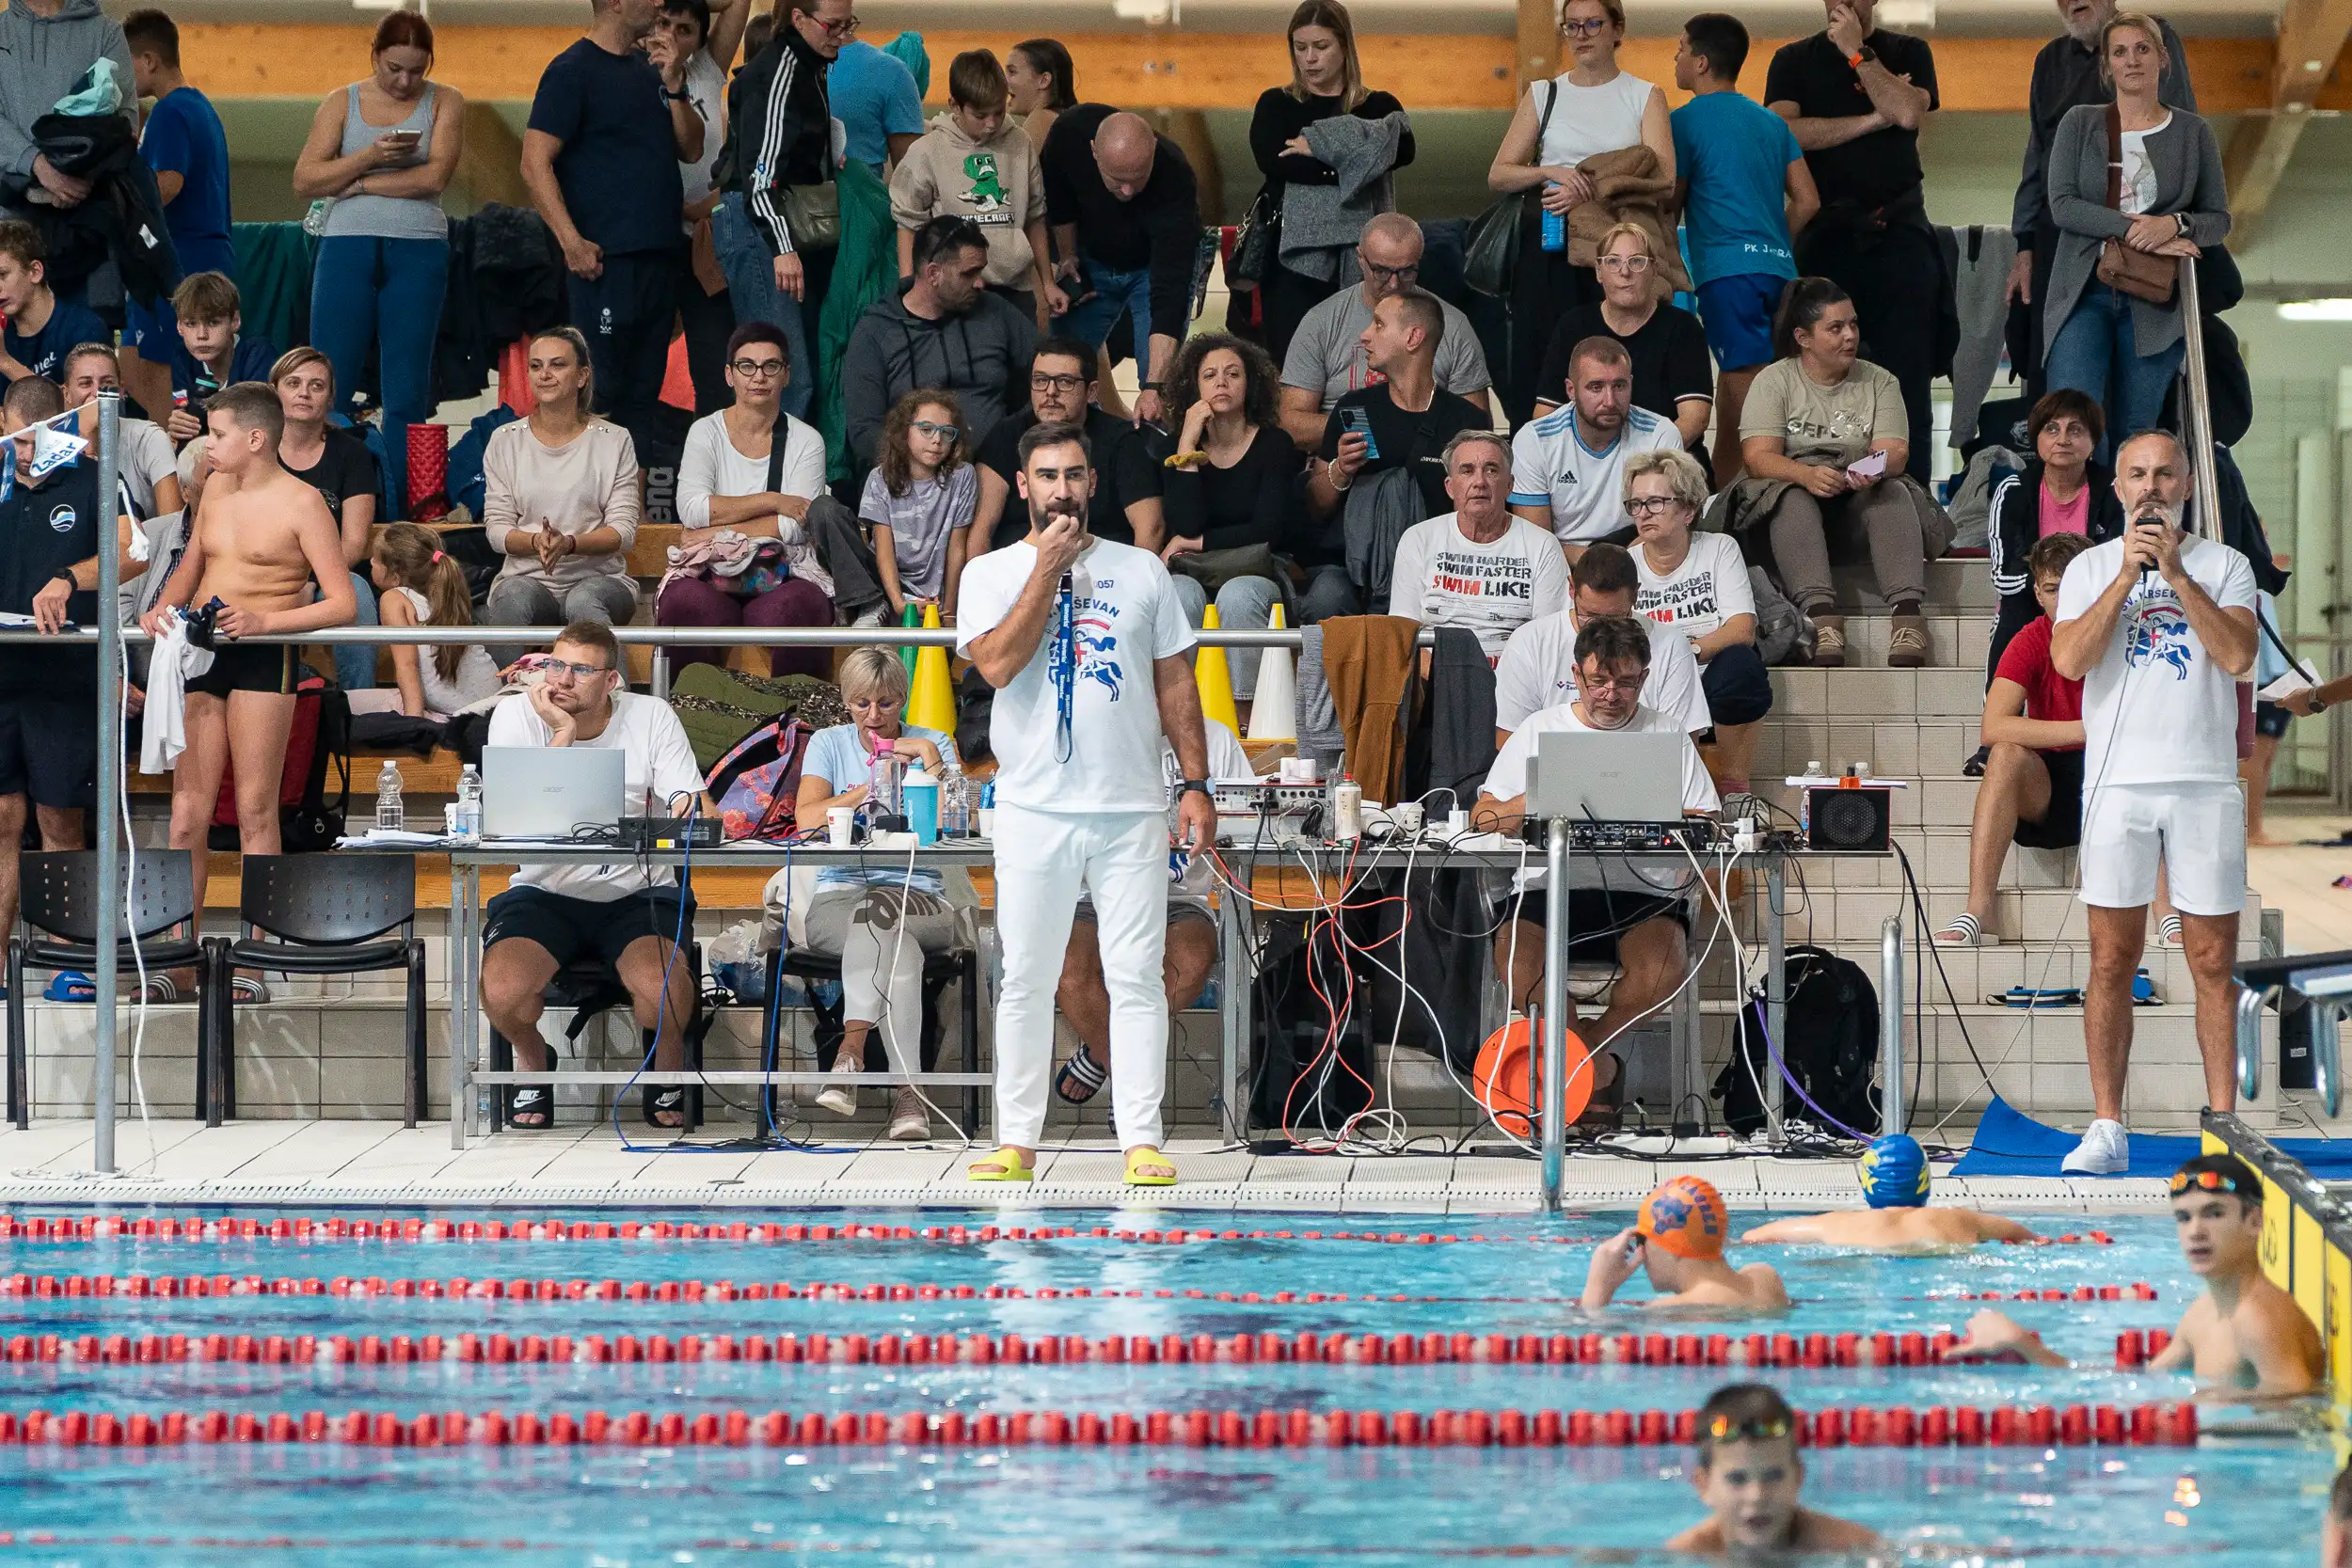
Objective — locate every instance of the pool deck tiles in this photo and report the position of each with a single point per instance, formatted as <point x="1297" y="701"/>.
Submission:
<point x="368" y="1163"/>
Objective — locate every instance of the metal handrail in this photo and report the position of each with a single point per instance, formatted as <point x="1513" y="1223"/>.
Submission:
<point x="685" y="637"/>
<point x="1894" y="1113"/>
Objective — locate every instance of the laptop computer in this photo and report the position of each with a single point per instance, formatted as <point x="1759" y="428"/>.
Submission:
<point x="1607" y="776"/>
<point x="547" y="791"/>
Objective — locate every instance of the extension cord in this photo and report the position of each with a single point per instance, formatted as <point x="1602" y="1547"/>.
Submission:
<point x="1717" y="1143"/>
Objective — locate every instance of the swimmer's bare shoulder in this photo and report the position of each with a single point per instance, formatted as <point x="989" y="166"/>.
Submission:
<point x="260" y="540"/>
<point x="2276" y="1340"/>
<point x="1810" y="1532"/>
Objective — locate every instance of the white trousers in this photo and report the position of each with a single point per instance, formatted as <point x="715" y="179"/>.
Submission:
<point x="881" y="935"/>
<point x="1042" y="860"/>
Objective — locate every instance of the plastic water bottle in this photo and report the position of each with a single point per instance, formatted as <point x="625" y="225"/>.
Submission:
<point x="882" y="784"/>
<point x="390" y="813"/>
<point x="470" y="804"/>
<point x="955" y="802"/>
<point x="1555" y="225"/>
<point x="919" y="792"/>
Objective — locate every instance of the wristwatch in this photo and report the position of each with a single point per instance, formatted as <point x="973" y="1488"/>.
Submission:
<point x="65" y="574"/>
<point x="1200" y="785"/>
<point x="681" y="96"/>
<point x="1862" y="57"/>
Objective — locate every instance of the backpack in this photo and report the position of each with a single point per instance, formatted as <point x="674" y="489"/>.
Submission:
<point x="1831" y="1049"/>
<point x="757" y="782"/>
<point x="321" y="733"/>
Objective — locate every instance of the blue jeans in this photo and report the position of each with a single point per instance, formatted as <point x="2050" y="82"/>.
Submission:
<point x="2094" y="353"/>
<point x="355" y="665"/>
<point x="368" y="291"/>
<point x="1091" y="321"/>
<point x="750" y="267"/>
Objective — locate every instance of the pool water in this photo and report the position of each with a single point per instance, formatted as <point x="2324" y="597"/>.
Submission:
<point x="2229" y="1502"/>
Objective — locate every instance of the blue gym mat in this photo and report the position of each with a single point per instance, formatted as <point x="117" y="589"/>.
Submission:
<point x="2010" y="1144"/>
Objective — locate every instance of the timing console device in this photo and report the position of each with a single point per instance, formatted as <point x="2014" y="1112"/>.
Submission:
<point x="1698" y="834"/>
<point x="641" y="834"/>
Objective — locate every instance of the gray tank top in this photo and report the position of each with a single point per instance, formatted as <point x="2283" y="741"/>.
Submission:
<point x="391" y="217"/>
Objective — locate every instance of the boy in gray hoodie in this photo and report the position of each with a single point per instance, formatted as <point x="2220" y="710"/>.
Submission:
<point x="974" y="163"/>
<point x="45" y="46"/>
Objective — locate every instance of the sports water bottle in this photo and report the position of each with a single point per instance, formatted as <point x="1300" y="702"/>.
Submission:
<point x="919" y="792"/>
<point x="882" y="784"/>
<point x="1555" y="225"/>
<point x="390" y="813"/>
<point x="470" y="805"/>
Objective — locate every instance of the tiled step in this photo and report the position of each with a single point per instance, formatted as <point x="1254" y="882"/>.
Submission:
<point x="1951" y="584"/>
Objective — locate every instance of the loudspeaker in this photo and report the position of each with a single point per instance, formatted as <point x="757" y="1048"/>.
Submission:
<point x="1849" y="819"/>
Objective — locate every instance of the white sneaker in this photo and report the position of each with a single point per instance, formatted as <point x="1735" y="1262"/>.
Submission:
<point x="910" y="1120"/>
<point x="840" y="1098"/>
<point x="2103" y="1151"/>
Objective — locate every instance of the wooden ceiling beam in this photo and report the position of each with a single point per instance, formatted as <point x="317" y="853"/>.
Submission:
<point x="2310" y="39"/>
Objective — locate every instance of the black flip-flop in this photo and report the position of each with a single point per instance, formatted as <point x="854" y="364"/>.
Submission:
<point x="531" y="1099"/>
<point x="669" y="1099"/>
<point x="1081" y="1078"/>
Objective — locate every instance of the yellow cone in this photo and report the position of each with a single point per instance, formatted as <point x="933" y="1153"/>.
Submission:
<point x="1274" y="711"/>
<point x="931" y="702"/>
<point x="1216" y="681"/>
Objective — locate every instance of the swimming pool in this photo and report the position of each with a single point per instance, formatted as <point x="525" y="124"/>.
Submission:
<point x="621" y="1501"/>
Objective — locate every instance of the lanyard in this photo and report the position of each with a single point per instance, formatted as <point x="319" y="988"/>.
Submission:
<point x="1065" y="666"/>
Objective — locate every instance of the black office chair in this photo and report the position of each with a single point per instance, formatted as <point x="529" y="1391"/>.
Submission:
<point x="592" y="987"/>
<point x="326" y="914"/>
<point x="962" y="966"/>
<point x="58" y="896"/>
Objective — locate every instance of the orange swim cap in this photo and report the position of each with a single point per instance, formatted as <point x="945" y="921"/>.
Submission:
<point x="1687" y="1217"/>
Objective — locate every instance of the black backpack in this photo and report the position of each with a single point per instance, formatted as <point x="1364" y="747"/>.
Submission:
<point x="1832" y="1048"/>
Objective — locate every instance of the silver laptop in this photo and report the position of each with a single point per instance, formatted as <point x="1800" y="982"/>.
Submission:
<point x="1604" y="776"/>
<point x="547" y="791"/>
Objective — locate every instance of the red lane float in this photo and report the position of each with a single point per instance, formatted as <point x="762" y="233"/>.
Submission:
<point x="1780" y="1351"/>
<point x="2144" y="1425"/>
<point x="85" y="1228"/>
<point x="46" y="1287"/>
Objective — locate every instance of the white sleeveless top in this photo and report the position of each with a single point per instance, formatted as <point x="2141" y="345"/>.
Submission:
<point x="477" y="675"/>
<point x="1590" y="120"/>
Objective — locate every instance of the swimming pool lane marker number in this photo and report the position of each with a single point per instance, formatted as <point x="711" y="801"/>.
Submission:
<point x="1898" y="1426"/>
<point x="1786" y="1351"/>
<point x="105" y="1226"/>
<point x="50" y="1287"/>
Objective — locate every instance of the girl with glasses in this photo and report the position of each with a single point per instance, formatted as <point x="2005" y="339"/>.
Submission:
<point x="919" y="501"/>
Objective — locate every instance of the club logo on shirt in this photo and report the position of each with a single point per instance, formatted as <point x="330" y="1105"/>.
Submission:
<point x="2159" y="633"/>
<point x="1689" y="599"/>
<point x="61" y="517"/>
<point x="1096" y="644"/>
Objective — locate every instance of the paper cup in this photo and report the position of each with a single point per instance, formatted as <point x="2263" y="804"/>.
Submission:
<point x="988" y="821"/>
<point x="838" y="822"/>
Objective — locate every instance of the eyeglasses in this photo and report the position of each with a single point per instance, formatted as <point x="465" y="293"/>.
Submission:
<point x="1584" y="29"/>
<point x="1625" y="263"/>
<point x="1723" y="1428"/>
<point x="1629" y="685"/>
<point x="566" y="668"/>
<point x="945" y="432"/>
<point x="1041" y="382"/>
<point x="840" y="30"/>
<point x="2209" y="1181"/>
<point x="1392" y="275"/>
<point x="757" y="369"/>
<point x="1650" y="506"/>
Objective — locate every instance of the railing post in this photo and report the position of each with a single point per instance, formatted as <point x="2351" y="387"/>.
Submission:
<point x="660" y="673"/>
<point x="2197" y="419"/>
<point x="1552" y="1041"/>
<point x="2249" y="1041"/>
<point x="108" y="804"/>
<point x="1894" y="1115"/>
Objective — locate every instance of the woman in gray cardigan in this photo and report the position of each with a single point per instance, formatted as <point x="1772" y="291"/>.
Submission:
<point x="2121" y="350"/>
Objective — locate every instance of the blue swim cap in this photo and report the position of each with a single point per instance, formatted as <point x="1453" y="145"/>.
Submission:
<point x="1894" y="1173"/>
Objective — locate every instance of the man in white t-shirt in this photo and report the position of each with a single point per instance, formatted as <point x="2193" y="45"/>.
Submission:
<point x="1696" y="586"/>
<point x="1477" y="567"/>
<point x="2159" y="627"/>
<point x="1087" y="647"/>
<point x="1326" y="358"/>
<point x="1616" y="909"/>
<point x="1567" y="468"/>
<point x="1538" y="669"/>
<point x="1191" y="953"/>
<point x="627" y="915"/>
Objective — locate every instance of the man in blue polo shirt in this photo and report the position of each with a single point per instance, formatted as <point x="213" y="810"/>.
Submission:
<point x="183" y="143"/>
<point x="876" y="103"/>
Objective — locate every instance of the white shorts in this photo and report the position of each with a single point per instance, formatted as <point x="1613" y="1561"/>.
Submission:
<point x="2197" y="830"/>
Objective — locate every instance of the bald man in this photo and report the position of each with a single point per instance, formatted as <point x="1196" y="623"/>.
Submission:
<point x="1125" y="213"/>
<point x="1327" y="359"/>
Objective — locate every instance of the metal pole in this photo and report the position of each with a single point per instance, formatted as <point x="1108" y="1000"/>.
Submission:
<point x="1894" y="1117"/>
<point x="2196" y="410"/>
<point x="109" y="800"/>
<point x="1553" y="1040"/>
<point x="1775" y="990"/>
<point x="660" y="682"/>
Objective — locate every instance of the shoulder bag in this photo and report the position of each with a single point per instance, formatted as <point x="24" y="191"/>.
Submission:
<point x="1259" y="242"/>
<point x="812" y="216"/>
<point x="2121" y="268"/>
<point x="1490" y="251"/>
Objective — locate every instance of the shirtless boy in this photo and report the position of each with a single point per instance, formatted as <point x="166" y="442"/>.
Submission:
<point x="260" y="539"/>
<point x="1894" y="1181"/>
<point x="1749" y="1477"/>
<point x="2244" y="1337"/>
<point x="1678" y="1238"/>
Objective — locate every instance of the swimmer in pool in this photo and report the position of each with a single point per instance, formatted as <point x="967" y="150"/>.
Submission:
<point x="1679" y="1237"/>
<point x="2335" y="1531"/>
<point x="2244" y="1337"/>
<point x="1894" y="1179"/>
<point x="1748" y="1478"/>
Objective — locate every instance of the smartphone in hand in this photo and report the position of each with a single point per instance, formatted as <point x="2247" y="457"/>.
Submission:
<point x="1354" y="421"/>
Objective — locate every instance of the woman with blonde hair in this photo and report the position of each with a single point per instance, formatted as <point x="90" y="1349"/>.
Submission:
<point x="880" y="920"/>
<point x="1673" y="377"/>
<point x="1327" y="80"/>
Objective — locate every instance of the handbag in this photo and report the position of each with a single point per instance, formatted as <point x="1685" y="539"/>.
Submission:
<point x="1490" y="250"/>
<point x="1257" y="244"/>
<point x="812" y="216"/>
<point x="1213" y="569"/>
<point x="2121" y="268"/>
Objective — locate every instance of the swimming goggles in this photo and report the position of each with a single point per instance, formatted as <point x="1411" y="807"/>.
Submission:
<point x="2211" y="1181"/>
<point x="1724" y="1429"/>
